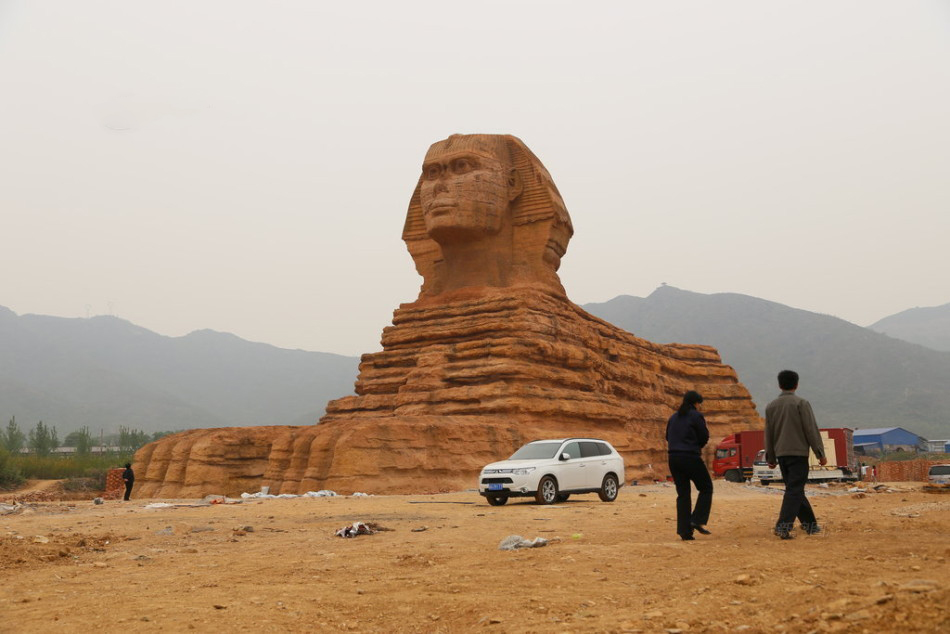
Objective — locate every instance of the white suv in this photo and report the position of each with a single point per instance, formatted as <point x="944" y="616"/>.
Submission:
<point x="552" y="470"/>
<point x="939" y="474"/>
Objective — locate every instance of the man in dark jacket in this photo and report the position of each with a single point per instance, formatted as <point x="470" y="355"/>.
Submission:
<point x="129" y="477"/>
<point x="790" y="431"/>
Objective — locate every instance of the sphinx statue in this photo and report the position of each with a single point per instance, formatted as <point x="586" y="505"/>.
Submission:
<point x="490" y="355"/>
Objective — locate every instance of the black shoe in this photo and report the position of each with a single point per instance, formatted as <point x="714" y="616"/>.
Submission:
<point x="702" y="530"/>
<point x="784" y="535"/>
<point x="687" y="538"/>
<point x="812" y="529"/>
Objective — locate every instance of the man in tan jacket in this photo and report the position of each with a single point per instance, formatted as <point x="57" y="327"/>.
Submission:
<point x="790" y="431"/>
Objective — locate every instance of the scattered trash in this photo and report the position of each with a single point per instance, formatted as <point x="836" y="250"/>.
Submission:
<point x="360" y="495"/>
<point x="168" y="530"/>
<point x="358" y="528"/>
<point x="577" y="536"/>
<point x="10" y="509"/>
<point x="220" y="499"/>
<point x="514" y="542"/>
<point x="41" y="539"/>
<point x="420" y="529"/>
<point x="159" y="505"/>
<point x="97" y="501"/>
<point x="288" y="496"/>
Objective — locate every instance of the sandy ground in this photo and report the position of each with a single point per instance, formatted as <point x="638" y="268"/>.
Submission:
<point x="276" y="565"/>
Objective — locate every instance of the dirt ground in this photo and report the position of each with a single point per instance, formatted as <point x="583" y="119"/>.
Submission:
<point x="276" y="565"/>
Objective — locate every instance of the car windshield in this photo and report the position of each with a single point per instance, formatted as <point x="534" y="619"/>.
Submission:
<point x="536" y="450"/>
<point x="940" y="469"/>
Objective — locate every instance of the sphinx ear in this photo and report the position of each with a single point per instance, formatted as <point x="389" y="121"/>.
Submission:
<point x="515" y="184"/>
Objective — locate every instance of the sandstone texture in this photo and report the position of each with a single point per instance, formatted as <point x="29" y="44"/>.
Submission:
<point x="491" y="355"/>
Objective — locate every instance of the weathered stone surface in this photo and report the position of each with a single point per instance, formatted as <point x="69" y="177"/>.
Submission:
<point x="492" y="354"/>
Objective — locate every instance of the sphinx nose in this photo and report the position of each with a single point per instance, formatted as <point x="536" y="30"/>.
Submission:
<point x="441" y="186"/>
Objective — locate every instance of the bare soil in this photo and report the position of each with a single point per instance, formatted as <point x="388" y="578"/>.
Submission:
<point x="880" y="565"/>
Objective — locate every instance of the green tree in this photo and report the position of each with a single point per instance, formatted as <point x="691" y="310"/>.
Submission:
<point x="12" y="438"/>
<point x="42" y="439"/>
<point x="131" y="439"/>
<point x="83" y="442"/>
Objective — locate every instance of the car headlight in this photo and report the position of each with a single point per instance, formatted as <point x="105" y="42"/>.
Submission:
<point x="524" y="471"/>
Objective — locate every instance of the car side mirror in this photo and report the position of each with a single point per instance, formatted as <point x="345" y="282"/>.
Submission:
<point x="565" y="456"/>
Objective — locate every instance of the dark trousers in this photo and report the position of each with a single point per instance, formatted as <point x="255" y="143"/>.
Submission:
<point x="128" y="490"/>
<point x="794" y="503"/>
<point x="686" y="469"/>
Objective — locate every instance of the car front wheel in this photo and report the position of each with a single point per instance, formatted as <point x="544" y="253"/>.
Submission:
<point x="733" y="475"/>
<point x="496" y="500"/>
<point x="547" y="491"/>
<point x="609" y="488"/>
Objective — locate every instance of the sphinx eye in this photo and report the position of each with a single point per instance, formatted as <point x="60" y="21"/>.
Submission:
<point x="462" y="165"/>
<point x="432" y="172"/>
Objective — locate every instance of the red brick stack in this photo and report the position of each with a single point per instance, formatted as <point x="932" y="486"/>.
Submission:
<point x="115" y="485"/>
<point x="904" y="470"/>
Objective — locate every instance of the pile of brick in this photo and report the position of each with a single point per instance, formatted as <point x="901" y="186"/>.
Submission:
<point x="904" y="470"/>
<point x="115" y="485"/>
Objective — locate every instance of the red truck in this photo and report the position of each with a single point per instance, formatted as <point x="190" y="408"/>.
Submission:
<point x="736" y="457"/>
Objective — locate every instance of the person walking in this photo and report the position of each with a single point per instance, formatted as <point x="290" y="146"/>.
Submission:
<point x="686" y="435"/>
<point x="128" y="476"/>
<point x="790" y="431"/>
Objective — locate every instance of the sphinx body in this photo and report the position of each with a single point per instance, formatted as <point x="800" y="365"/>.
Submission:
<point x="491" y="354"/>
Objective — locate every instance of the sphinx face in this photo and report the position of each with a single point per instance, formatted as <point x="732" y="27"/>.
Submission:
<point x="464" y="195"/>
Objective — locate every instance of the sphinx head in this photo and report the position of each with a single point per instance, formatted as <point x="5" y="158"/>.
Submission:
<point x="484" y="202"/>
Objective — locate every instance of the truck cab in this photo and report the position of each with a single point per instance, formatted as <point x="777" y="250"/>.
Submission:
<point x="726" y="462"/>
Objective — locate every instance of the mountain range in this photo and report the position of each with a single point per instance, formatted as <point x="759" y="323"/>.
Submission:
<point x="853" y="376"/>
<point x="104" y="372"/>
<point x="927" y="326"/>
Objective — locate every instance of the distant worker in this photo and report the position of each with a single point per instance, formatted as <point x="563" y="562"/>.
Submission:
<point x="790" y="430"/>
<point x="128" y="476"/>
<point x="686" y="435"/>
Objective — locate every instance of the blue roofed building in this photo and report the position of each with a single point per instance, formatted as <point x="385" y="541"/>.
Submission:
<point x="886" y="440"/>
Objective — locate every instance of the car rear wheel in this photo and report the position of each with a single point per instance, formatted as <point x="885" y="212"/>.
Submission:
<point x="547" y="491"/>
<point x="497" y="500"/>
<point x="609" y="488"/>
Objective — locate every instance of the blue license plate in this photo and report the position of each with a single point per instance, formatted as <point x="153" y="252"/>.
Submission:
<point x="494" y="487"/>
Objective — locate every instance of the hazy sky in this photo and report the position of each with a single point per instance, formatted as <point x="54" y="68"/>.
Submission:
<point x="246" y="166"/>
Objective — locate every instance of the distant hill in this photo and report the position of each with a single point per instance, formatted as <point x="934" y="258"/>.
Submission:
<point x="853" y="376"/>
<point x="105" y="372"/>
<point x="926" y="326"/>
